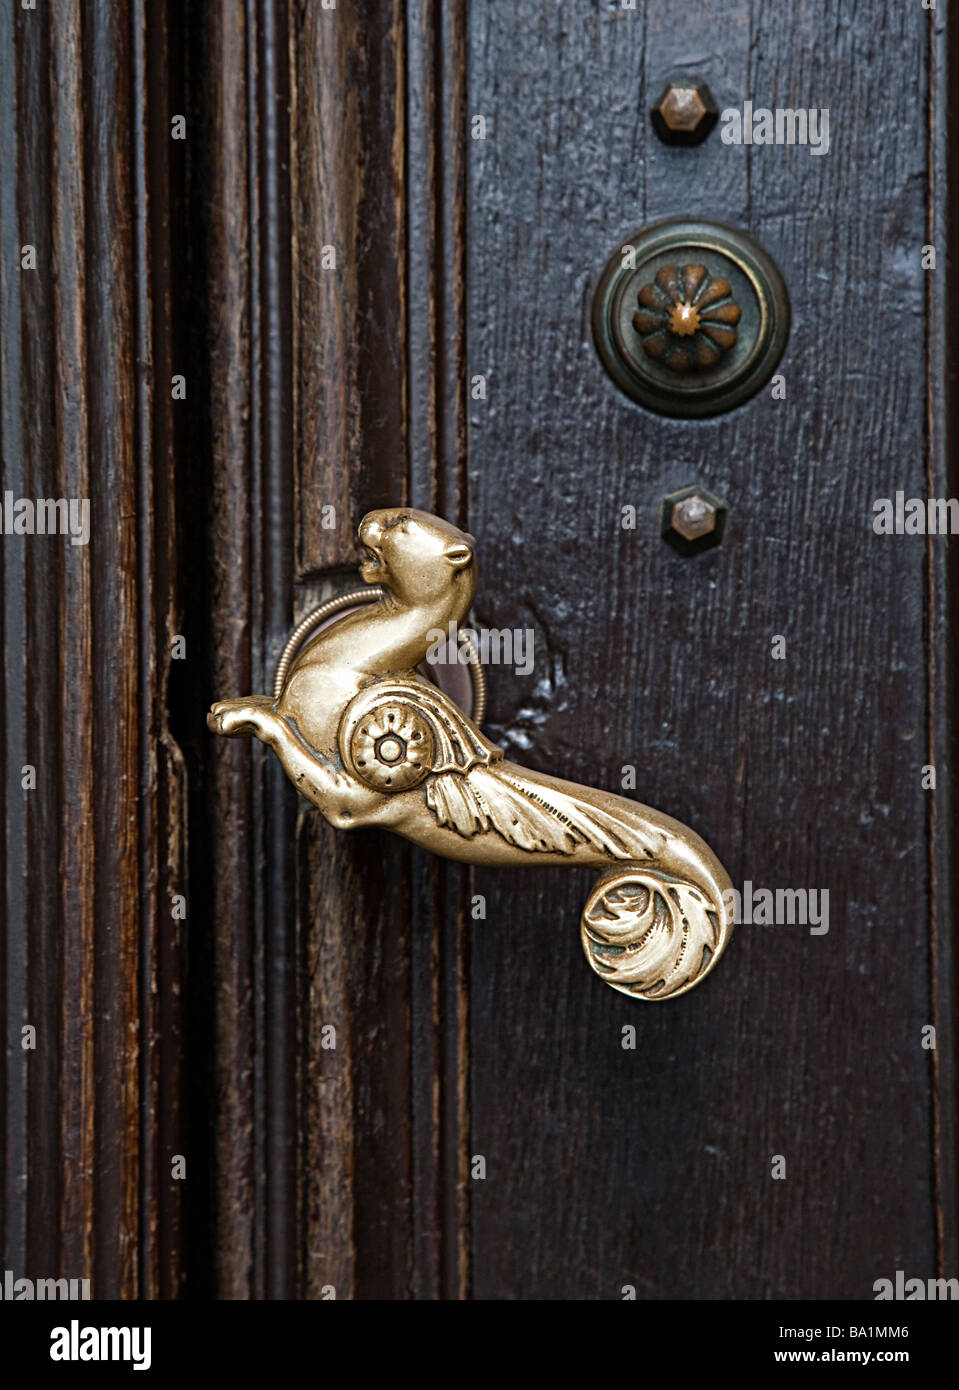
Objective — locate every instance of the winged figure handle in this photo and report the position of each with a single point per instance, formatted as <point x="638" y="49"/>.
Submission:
<point x="371" y="742"/>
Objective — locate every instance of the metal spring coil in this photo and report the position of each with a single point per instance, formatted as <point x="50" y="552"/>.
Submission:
<point x="369" y="594"/>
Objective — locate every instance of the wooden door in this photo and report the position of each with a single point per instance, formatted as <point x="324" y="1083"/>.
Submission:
<point x="360" y="274"/>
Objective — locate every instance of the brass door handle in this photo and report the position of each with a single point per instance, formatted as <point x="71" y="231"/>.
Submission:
<point x="372" y="743"/>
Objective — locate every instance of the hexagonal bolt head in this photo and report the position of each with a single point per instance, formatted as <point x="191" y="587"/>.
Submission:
<point x="693" y="520"/>
<point x="685" y="113"/>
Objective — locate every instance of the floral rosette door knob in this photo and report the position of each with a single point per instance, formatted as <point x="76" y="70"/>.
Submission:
<point x="687" y="318"/>
<point x="690" y="318"/>
<point x="368" y="739"/>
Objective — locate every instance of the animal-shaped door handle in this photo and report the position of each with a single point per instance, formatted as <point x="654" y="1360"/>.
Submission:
<point x="372" y="743"/>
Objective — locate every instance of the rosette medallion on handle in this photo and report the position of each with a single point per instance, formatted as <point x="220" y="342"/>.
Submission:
<point x="371" y="741"/>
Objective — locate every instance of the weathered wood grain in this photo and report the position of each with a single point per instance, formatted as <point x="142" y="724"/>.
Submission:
<point x="653" y="1168"/>
<point x="350" y="327"/>
<point x="90" y="1128"/>
<point x="380" y="418"/>
<point x="942" y="635"/>
<point x="237" y="553"/>
<point x="76" y="863"/>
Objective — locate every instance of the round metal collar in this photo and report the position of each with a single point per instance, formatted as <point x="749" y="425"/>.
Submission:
<point x="690" y="318"/>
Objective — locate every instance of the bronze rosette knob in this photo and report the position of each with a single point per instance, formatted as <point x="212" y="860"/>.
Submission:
<point x="690" y="318"/>
<point x="687" y="318"/>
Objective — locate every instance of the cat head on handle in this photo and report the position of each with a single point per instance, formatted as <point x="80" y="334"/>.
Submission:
<point x="417" y="557"/>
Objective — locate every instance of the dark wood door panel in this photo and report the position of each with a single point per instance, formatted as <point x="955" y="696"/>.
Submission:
<point x="654" y="1167"/>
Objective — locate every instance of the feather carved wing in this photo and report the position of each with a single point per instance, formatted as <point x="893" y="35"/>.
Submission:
<point x="536" y="818"/>
<point x="472" y="790"/>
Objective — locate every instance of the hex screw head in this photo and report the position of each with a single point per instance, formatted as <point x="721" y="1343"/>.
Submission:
<point x="685" y="113"/>
<point x="693" y="520"/>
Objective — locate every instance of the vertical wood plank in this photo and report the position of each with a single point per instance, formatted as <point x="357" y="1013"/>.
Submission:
<point x="86" y="632"/>
<point x="436" y="71"/>
<point x="230" y="878"/>
<point x="14" y="848"/>
<point x="238" y="553"/>
<point x="942" y="633"/>
<point x="350" y="448"/>
<point x="78" y="908"/>
<point x="275" y="574"/>
<point x="43" y="706"/>
<point x="160" y="329"/>
<point x="804" y="774"/>
<point x="111" y="345"/>
<point x="380" y="420"/>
